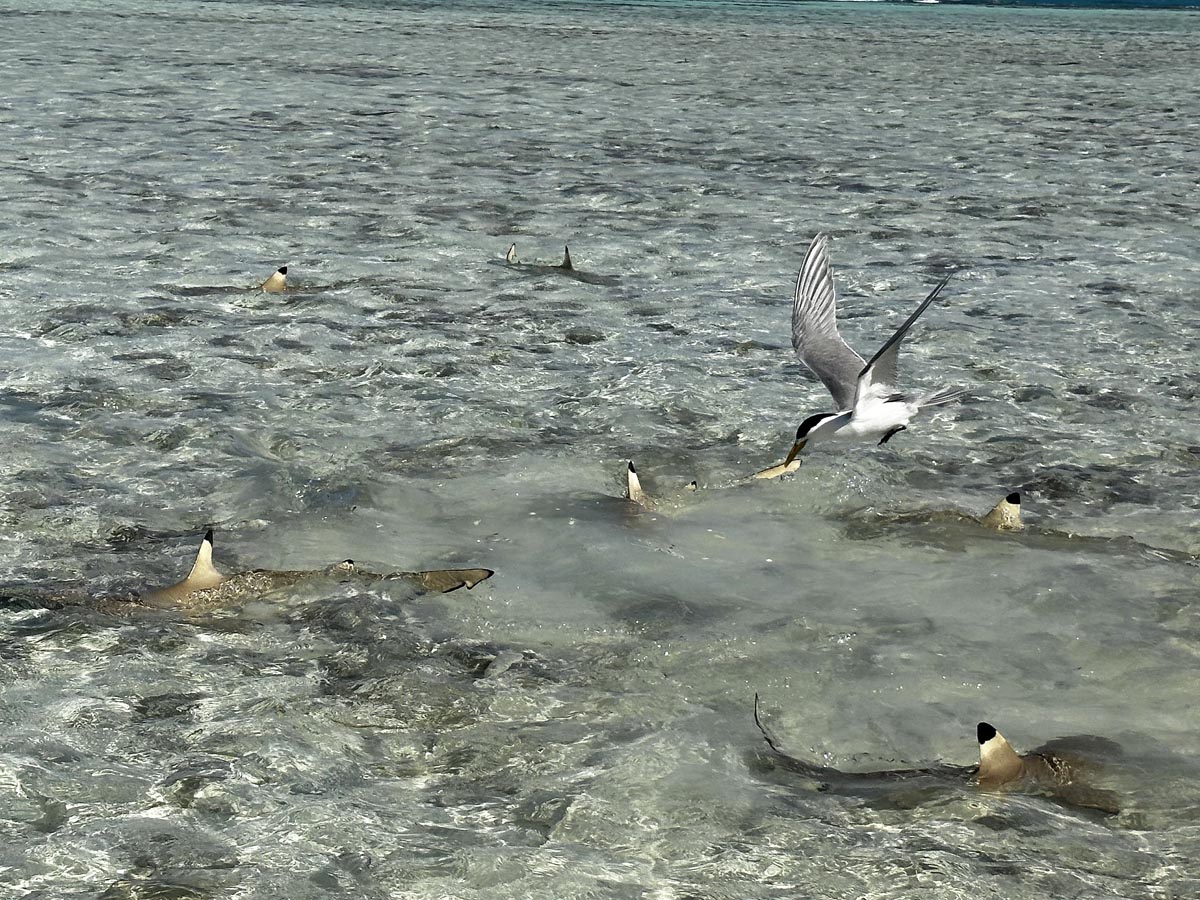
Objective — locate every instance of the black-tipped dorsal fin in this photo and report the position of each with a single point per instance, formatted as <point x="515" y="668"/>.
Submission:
<point x="202" y="576"/>
<point x="633" y="486"/>
<point x="1005" y="515"/>
<point x="511" y="255"/>
<point x="277" y="283"/>
<point x="204" y="573"/>
<point x="566" y="263"/>
<point x="999" y="763"/>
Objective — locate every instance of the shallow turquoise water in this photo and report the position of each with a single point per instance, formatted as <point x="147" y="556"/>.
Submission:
<point x="580" y="725"/>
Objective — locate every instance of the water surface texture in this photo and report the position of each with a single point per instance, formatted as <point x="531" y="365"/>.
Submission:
<point x="580" y="725"/>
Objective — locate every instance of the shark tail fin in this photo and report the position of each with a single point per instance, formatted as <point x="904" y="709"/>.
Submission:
<point x="204" y="573"/>
<point x="998" y="761"/>
<point x="511" y="256"/>
<point x="566" y="263"/>
<point x="1005" y="515"/>
<point x="771" y="740"/>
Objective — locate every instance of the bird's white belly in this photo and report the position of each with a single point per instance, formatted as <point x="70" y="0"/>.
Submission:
<point x="873" y="421"/>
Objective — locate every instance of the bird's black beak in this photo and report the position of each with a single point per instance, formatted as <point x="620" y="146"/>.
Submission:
<point x="795" y="451"/>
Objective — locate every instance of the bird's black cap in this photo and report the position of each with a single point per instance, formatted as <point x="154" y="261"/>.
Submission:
<point x="632" y="469"/>
<point x="986" y="732"/>
<point x="208" y="536"/>
<point x="810" y="423"/>
<point x="283" y="270"/>
<point x="1014" y="498"/>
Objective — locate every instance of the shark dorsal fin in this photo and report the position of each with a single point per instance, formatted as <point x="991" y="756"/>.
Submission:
<point x="204" y="573"/>
<point x="277" y="283"/>
<point x="633" y="486"/>
<point x="511" y="256"/>
<point x="1005" y="515"/>
<point x="566" y="263"/>
<point x="999" y="763"/>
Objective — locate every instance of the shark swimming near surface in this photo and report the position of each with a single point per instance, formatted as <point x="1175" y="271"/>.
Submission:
<point x="1057" y="770"/>
<point x="1004" y="516"/>
<point x="955" y="529"/>
<point x="566" y="268"/>
<point x="637" y="495"/>
<point x="206" y="589"/>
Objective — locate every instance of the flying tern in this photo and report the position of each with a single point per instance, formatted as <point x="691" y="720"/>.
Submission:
<point x="869" y="408"/>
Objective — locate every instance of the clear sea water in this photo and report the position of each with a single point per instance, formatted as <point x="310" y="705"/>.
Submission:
<point x="580" y="725"/>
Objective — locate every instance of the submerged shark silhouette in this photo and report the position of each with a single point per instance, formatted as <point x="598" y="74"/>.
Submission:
<point x="1055" y="770"/>
<point x="207" y="589"/>
<point x="565" y="268"/>
<point x="1004" y="516"/>
<point x="943" y="528"/>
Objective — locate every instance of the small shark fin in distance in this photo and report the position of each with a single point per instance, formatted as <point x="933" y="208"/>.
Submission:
<point x="1005" y="515"/>
<point x="511" y="256"/>
<point x="633" y="486"/>
<point x="277" y="283"/>
<point x="999" y="763"/>
<point x="566" y="263"/>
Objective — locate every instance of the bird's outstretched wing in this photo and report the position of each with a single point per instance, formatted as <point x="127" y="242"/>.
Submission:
<point x="815" y="335"/>
<point x="878" y="377"/>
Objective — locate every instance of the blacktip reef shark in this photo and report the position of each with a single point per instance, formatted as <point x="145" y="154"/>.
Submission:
<point x="1004" y="516"/>
<point x="1056" y="770"/>
<point x="942" y="527"/>
<point x="635" y="494"/>
<point x="206" y="589"/>
<point x="277" y="283"/>
<point x="868" y="407"/>
<point x="565" y="268"/>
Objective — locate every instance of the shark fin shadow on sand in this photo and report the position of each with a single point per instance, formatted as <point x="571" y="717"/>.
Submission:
<point x="566" y="268"/>
<point x="207" y="590"/>
<point x="1056" y="771"/>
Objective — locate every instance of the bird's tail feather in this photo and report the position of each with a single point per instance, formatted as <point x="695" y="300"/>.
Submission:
<point x="941" y="397"/>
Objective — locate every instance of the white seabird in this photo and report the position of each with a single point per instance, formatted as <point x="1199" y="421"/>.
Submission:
<point x="869" y="406"/>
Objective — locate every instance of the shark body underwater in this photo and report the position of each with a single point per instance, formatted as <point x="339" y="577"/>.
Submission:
<point x="206" y="589"/>
<point x="566" y="268"/>
<point x="1056" y="770"/>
